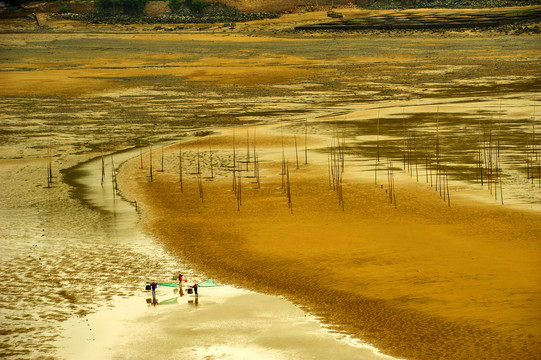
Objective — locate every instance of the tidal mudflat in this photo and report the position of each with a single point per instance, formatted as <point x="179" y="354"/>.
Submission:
<point x="395" y="113"/>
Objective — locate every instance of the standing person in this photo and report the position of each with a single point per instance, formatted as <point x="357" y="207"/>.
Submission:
<point x="153" y="287"/>
<point x="180" y="280"/>
<point x="195" y="289"/>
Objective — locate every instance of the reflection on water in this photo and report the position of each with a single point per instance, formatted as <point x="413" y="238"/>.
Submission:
<point x="77" y="291"/>
<point x="64" y="259"/>
<point x="478" y="143"/>
<point x="222" y="322"/>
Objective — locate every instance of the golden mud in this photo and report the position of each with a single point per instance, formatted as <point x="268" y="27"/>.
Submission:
<point x="419" y="281"/>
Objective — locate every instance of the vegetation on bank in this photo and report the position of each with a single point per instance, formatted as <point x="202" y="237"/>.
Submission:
<point x="137" y="7"/>
<point x="180" y="11"/>
<point x="115" y="7"/>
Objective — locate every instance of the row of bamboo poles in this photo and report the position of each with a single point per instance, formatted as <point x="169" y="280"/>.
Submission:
<point x="247" y="167"/>
<point x="488" y="169"/>
<point x="390" y="190"/>
<point x="336" y="167"/>
<point x="488" y="166"/>
<point x="488" y="163"/>
<point x="533" y="159"/>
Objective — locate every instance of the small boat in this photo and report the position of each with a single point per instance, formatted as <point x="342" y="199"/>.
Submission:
<point x="334" y="14"/>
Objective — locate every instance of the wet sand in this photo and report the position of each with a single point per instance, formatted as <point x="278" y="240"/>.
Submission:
<point x="223" y="322"/>
<point x="73" y="90"/>
<point x="423" y="281"/>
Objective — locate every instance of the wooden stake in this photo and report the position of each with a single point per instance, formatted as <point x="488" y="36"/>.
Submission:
<point x="448" y="194"/>
<point x="377" y="140"/>
<point x="102" y="165"/>
<point x="162" y="154"/>
<point x="211" y="165"/>
<point x="180" y="165"/>
<point x="247" y="148"/>
<point x="113" y="176"/>
<point x="234" y="165"/>
<point x="198" y="160"/>
<point x="49" y="166"/>
<point x="296" y="152"/>
<point x="150" y="152"/>
<point x="306" y="142"/>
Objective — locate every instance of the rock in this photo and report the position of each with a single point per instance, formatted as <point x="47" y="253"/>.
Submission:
<point x="42" y="19"/>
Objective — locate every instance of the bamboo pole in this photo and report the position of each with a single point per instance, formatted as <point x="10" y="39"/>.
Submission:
<point x="415" y="157"/>
<point x="404" y="145"/>
<point x="377" y="139"/>
<point x="444" y="179"/>
<point x="49" y="166"/>
<point x="162" y="155"/>
<point x="198" y="160"/>
<point x="255" y="138"/>
<point x="257" y="172"/>
<point x="394" y="191"/>
<point x="234" y="164"/>
<point x="377" y="153"/>
<point x="296" y="152"/>
<point x="389" y="181"/>
<point x="306" y="142"/>
<point x="430" y="168"/>
<point x="448" y="194"/>
<point x="200" y="185"/>
<point x="180" y="165"/>
<point x="290" y="202"/>
<point x="426" y="168"/>
<point x="235" y="177"/>
<point x="113" y="177"/>
<point x="102" y="164"/>
<point x="239" y="192"/>
<point x="333" y="156"/>
<point x="150" y="162"/>
<point x="283" y="172"/>
<point x="343" y="151"/>
<point x="211" y="159"/>
<point x="438" y="147"/>
<point x="247" y="148"/>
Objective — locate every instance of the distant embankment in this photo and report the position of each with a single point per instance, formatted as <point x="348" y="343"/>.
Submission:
<point x="524" y="19"/>
<point x="155" y="8"/>
<point x="284" y="5"/>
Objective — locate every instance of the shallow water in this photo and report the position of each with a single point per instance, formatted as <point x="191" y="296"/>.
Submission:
<point x="67" y="260"/>
<point x="64" y="260"/>
<point x="77" y="291"/>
